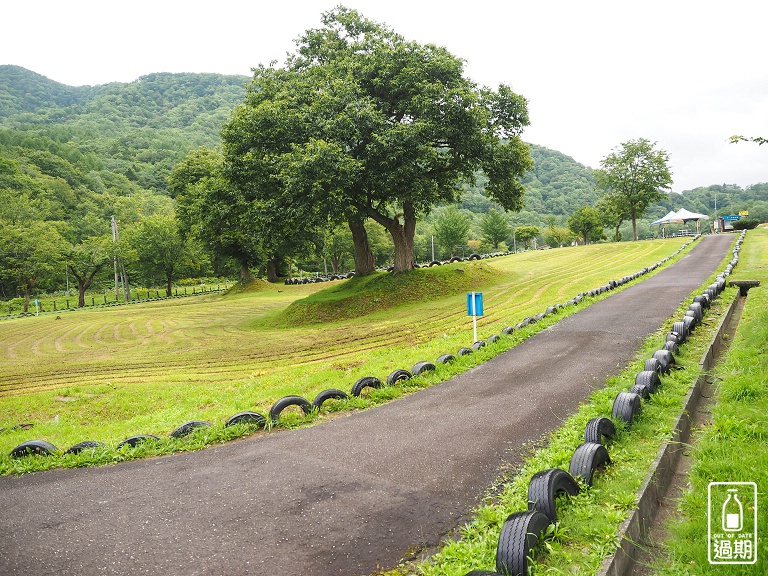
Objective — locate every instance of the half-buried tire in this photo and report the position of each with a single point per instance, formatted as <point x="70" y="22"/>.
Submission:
<point x="250" y="418"/>
<point x="188" y="427"/>
<point x="597" y="428"/>
<point x="445" y="358"/>
<point x="134" y="441"/>
<point x="625" y="406"/>
<point x="588" y="458"/>
<point x="648" y="378"/>
<point x="519" y="536"/>
<point x="85" y="445"/>
<point x="398" y="375"/>
<point x="330" y="394"/>
<point x="421" y="367"/>
<point x="365" y="382"/>
<point x="285" y="402"/>
<point x="546" y="486"/>
<point x="34" y="447"/>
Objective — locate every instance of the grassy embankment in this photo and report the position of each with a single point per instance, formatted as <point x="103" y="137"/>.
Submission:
<point x="733" y="449"/>
<point x="112" y="373"/>
<point x="734" y="446"/>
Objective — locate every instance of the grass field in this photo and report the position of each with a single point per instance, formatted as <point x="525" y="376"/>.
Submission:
<point x="110" y="373"/>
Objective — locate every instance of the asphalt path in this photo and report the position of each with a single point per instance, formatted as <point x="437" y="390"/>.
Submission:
<point x="349" y="496"/>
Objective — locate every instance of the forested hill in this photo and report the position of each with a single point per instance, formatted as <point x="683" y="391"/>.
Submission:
<point x="139" y="129"/>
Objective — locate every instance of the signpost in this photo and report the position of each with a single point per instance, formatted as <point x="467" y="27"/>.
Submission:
<point x="474" y="309"/>
<point x="732" y="217"/>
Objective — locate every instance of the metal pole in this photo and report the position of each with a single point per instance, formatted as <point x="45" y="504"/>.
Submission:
<point x="114" y="260"/>
<point x="433" y="248"/>
<point x="474" y="319"/>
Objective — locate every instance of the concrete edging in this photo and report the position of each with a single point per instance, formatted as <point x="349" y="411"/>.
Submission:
<point x="662" y="469"/>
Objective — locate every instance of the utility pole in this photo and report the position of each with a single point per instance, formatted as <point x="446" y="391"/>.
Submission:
<point x="118" y="262"/>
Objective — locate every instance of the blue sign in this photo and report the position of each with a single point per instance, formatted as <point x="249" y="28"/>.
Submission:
<point x="730" y="217"/>
<point x="474" y="303"/>
<point x="36" y="302"/>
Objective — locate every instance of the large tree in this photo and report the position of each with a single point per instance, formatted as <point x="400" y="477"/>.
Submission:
<point x="634" y="175"/>
<point x="361" y="123"/>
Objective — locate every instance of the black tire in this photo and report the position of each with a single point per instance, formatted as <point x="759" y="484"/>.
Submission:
<point x="397" y="376"/>
<point x="189" y="427"/>
<point x="652" y="365"/>
<point x="435" y="263"/>
<point x="597" y="428"/>
<point x="330" y="394"/>
<point x="671" y="347"/>
<point x="85" y="445"/>
<point x="481" y="573"/>
<point x="283" y="403"/>
<point x="625" y="406"/>
<point x="588" y="458"/>
<point x="546" y="486"/>
<point x="540" y="316"/>
<point x="445" y="358"/>
<point x="455" y="259"/>
<point x="134" y="441"/>
<point x="474" y="257"/>
<point x="477" y="345"/>
<point x="493" y="338"/>
<point x="250" y="418"/>
<point x="365" y="382"/>
<point x="649" y="378"/>
<point x="702" y="300"/>
<point x="507" y="330"/>
<point x="666" y="360"/>
<point x="34" y="447"/>
<point x="519" y="536"/>
<point x="421" y="367"/>
<point x="690" y="323"/>
<point x="698" y="310"/>
<point x="681" y="329"/>
<point x="675" y="337"/>
<point x="464" y="351"/>
<point x="641" y="390"/>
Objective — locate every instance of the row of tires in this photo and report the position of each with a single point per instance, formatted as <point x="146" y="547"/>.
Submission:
<point x="522" y="531"/>
<point x="331" y="277"/>
<point x="257" y="420"/>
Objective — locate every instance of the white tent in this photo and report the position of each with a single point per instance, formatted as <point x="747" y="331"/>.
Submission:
<point x="668" y="219"/>
<point x="682" y="216"/>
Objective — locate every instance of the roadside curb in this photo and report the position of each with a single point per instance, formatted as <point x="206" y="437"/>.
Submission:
<point x="662" y="469"/>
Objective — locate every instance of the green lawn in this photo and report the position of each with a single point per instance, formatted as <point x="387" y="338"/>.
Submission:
<point x="107" y="374"/>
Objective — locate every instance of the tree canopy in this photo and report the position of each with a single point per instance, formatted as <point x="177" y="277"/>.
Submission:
<point x="361" y="123"/>
<point x="634" y="175"/>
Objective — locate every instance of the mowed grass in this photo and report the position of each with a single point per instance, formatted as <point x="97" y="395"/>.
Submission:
<point x="111" y="373"/>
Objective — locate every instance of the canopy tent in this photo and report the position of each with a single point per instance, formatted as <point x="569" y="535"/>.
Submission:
<point x="682" y="216"/>
<point x="668" y="219"/>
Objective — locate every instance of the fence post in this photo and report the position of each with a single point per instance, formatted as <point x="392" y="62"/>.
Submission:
<point x="93" y="301"/>
<point x="67" y="303"/>
<point x="54" y="305"/>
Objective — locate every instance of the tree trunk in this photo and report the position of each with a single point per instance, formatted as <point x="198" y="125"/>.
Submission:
<point x="245" y="272"/>
<point x="169" y="286"/>
<point x="585" y="238"/>
<point x="402" y="236"/>
<point x="634" y="228"/>
<point x="335" y="261"/>
<point x="364" y="260"/>
<point x="26" y="300"/>
<point x="272" y="269"/>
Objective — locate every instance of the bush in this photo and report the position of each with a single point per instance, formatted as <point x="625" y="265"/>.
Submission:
<point x="745" y="224"/>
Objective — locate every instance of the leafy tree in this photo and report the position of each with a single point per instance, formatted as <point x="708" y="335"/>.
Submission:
<point x="612" y="214"/>
<point x="759" y="140"/>
<point x="160" y="248"/>
<point x="558" y="236"/>
<point x="634" y="175"/>
<point x="31" y="256"/>
<point x="364" y="124"/>
<point x="495" y="229"/>
<point x="452" y="230"/>
<point x="86" y="259"/>
<point x="211" y="209"/>
<point x="525" y="234"/>
<point x="587" y="223"/>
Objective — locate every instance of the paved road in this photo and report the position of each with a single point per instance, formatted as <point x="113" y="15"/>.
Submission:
<point x="345" y="497"/>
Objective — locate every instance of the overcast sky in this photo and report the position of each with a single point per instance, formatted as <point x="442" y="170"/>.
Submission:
<point x="685" y="74"/>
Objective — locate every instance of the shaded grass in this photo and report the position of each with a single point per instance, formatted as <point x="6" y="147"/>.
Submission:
<point x="106" y="375"/>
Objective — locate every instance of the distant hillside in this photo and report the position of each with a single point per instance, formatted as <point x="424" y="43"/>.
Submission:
<point x="139" y="129"/>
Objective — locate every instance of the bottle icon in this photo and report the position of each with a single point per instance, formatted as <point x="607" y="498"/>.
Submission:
<point x="733" y="513"/>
